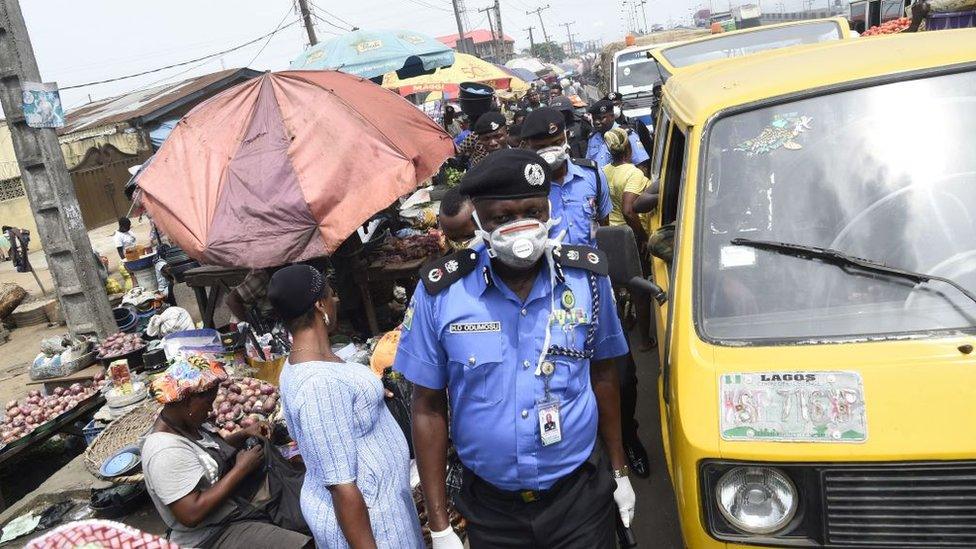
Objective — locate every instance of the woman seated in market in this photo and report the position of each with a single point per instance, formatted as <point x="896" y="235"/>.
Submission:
<point x="357" y="483"/>
<point x="200" y="481"/>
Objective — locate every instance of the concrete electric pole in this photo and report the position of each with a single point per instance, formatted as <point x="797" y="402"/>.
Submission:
<point x="531" y="40"/>
<point x="49" y="188"/>
<point x="538" y="11"/>
<point x="307" y="17"/>
<point x="491" y="27"/>
<point x="569" y="36"/>
<point x="457" y="16"/>
<point x="502" y="54"/>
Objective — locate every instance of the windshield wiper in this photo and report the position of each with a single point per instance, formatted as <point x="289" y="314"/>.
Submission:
<point x="841" y="259"/>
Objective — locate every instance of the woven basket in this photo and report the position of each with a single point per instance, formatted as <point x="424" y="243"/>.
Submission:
<point x="122" y="432"/>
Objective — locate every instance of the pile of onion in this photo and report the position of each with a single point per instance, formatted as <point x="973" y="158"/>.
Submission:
<point x="120" y="344"/>
<point x="21" y="418"/>
<point x="241" y="403"/>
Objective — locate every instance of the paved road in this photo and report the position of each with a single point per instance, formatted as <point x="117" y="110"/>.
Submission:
<point x="656" y="521"/>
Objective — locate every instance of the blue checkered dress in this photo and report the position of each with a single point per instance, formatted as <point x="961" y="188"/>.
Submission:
<point x="346" y="434"/>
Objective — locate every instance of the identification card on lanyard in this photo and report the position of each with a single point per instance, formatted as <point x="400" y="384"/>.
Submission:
<point x="550" y="424"/>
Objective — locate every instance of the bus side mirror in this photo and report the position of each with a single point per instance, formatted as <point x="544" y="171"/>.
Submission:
<point x="624" y="263"/>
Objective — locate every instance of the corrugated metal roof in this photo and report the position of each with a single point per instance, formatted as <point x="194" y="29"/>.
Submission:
<point x="477" y="36"/>
<point x="150" y="103"/>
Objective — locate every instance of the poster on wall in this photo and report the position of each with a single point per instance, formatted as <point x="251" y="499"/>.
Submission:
<point x="42" y="105"/>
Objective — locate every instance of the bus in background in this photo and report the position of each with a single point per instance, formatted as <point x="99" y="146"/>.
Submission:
<point x="634" y="75"/>
<point x="724" y="19"/>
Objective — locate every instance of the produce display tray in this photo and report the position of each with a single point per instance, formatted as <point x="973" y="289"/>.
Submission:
<point x="51" y="427"/>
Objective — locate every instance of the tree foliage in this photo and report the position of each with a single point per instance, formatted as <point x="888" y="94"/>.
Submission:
<point x="549" y="52"/>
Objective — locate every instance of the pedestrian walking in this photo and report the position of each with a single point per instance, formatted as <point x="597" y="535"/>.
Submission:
<point x="357" y="483"/>
<point x="124" y="237"/>
<point x="520" y="337"/>
<point x="579" y="197"/>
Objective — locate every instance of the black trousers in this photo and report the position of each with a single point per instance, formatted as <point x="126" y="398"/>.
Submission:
<point x="576" y="513"/>
<point x="627" y="369"/>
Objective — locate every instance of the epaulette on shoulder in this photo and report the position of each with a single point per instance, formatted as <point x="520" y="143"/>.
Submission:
<point x="442" y="272"/>
<point x="586" y="163"/>
<point x="582" y="257"/>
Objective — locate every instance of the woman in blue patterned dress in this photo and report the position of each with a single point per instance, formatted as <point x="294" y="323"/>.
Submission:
<point x="357" y="485"/>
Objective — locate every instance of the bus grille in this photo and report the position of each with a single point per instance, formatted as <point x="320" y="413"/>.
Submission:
<point x="904" y="505"/>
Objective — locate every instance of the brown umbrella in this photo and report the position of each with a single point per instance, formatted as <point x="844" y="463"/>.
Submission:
<point x="285" y="166"/>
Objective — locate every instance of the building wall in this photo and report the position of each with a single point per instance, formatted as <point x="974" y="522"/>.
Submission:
<point x="14" y="207"/>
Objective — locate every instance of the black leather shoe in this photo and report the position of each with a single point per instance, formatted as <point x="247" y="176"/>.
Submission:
<point x="637" y="456"/>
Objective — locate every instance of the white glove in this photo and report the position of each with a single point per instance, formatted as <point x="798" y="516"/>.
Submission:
<point x="446" y="539"/>
<point x="626" y="500"/>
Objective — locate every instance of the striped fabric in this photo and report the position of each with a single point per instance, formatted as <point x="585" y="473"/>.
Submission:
<point x="346" y="434"/>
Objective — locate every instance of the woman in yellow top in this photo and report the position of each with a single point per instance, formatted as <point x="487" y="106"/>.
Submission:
<point x="626" y="182"/>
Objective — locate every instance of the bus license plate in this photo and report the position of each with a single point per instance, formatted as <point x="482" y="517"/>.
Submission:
<point x="793" y="407"/>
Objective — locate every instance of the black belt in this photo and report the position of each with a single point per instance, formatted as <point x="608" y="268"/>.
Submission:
<point x="528" y="496"/>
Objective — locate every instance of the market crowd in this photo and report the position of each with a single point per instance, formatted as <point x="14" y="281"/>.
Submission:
<point x="520" y="365"/>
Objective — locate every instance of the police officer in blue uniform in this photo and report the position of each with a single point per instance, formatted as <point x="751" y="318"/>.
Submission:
<point x="580" y="197"/>
<point x="520" y="336"/>
<point x="604" y="121"/>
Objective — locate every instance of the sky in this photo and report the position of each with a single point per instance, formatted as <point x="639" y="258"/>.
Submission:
<point x="78" y="42"/>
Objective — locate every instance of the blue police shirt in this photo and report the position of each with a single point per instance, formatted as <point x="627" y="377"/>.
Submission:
<point x="482" y="343"/>
<point x="597" y="151"/>
<point x="576" y="205"/>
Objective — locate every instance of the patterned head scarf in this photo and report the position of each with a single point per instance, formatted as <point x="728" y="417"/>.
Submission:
<point x="616" y="139"/>
<point x="187" y="376"/>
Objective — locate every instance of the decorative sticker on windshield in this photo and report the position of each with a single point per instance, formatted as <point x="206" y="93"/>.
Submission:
<point x="781" y="133"/>
<point x="793" y="407"/>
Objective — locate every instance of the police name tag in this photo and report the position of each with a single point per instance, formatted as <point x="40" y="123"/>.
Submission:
<point x="550" y="424"/>
<point x="793" y="407"/>
<point x="475" y="327"/>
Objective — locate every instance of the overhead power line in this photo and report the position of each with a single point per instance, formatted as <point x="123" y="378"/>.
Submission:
<point x="174" y="65"/>
<point x="334" y="16"/>
<point x="429" y="6"/>
<point x="270" y="36"/>
<point x="331" y="24"/>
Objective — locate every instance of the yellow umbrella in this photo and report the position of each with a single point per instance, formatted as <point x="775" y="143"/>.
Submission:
<point x="466" y="68"/>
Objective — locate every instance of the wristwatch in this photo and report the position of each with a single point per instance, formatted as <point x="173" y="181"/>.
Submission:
<point x="622" y="472"/>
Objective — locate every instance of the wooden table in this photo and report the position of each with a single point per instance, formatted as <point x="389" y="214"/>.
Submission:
<point x="378" y="271"/>
<point x="78" y="377"/>
<point x="208" y="284"/>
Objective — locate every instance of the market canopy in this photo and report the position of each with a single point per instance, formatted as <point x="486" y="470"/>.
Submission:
<point x="530" y="64"/>
<point x="284" y="167"/>
<point x="466" y="68"/>
<point x="373" y="53"/>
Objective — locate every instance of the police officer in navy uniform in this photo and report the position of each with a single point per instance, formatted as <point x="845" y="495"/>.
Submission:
<point x="520" y="336"/>
<point x="580" y="197"/>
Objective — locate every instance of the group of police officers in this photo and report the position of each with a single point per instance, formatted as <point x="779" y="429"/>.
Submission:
<point x="514" y="345"/>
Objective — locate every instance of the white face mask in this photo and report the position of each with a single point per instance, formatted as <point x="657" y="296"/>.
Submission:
<point x="518" y="244"/>
<point x="617" y="112"/>
<point x="555" y="155"/>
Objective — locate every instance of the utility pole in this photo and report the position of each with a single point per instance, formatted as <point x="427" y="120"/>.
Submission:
<point x="644" y="13"/>
<point x="309" y="27"/>
<point x="491" y="27"/>
<point x="459" y="45"/>
<point x="503" y="55"/>
<point x="569" y="36"/>
<point x="538" y="11"/>
<point x="49" y="189"/>
<point x="531" y="40"/>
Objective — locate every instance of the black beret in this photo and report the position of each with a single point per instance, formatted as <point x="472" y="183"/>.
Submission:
<point x="602" y="106"/>
<point x="507" y="174"/>
<point x="543" y="122"/>
<point x="294" y="289"/>
<point x="614" y="96"/>
<point x="489" y="122"/>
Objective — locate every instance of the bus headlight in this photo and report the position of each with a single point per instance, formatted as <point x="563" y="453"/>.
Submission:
<point x="756" y="500"/>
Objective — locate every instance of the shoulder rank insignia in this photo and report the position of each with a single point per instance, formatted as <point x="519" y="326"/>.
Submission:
<point x="582" y="257"/>
<point x="442" y="272"/>
<point x="586" y="163"/>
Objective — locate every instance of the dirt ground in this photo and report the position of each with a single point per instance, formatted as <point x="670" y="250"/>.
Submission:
<point x="29" y="470"/>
